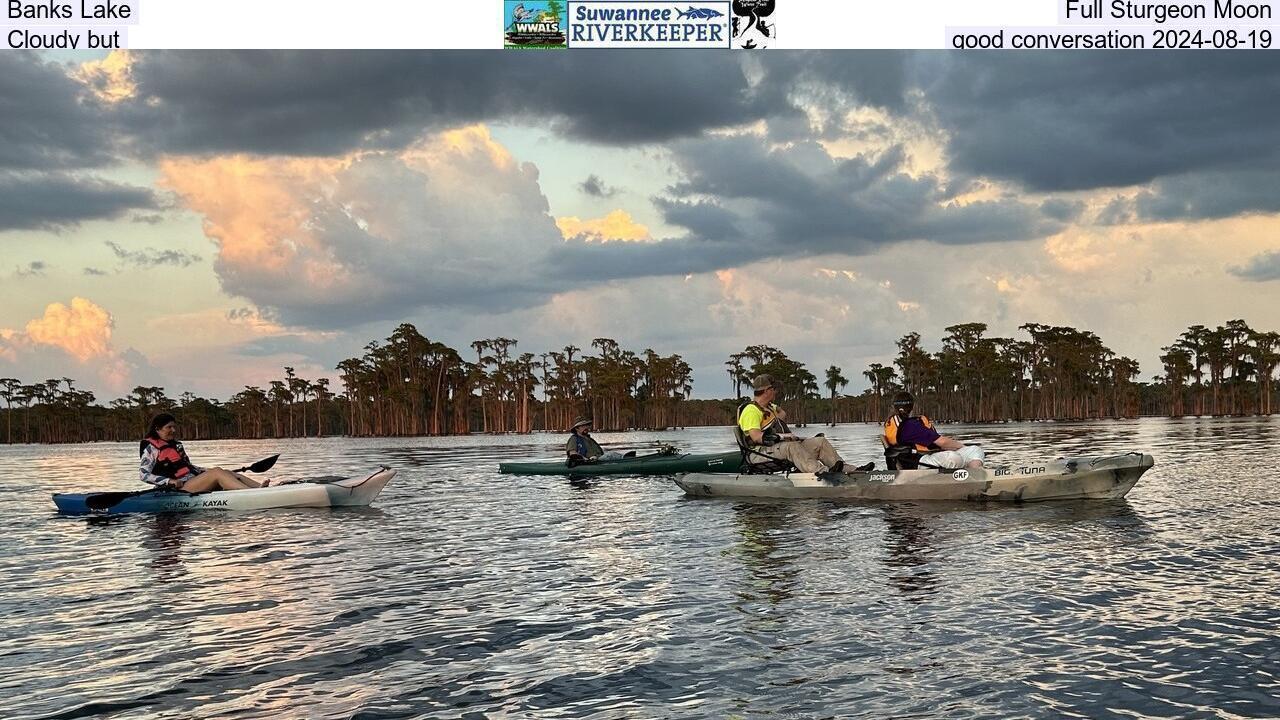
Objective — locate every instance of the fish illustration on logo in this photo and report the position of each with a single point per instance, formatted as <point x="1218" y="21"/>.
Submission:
<point x="698" y="13"/>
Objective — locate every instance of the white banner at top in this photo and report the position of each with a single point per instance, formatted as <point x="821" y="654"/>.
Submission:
<point x="711" y="25"/>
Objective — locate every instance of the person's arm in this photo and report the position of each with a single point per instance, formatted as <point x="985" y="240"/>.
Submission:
<point x="571" y="448"/>
<point x="145" y="467"/>
<point x="946" y="442"/>
<point x="750" y="422"/>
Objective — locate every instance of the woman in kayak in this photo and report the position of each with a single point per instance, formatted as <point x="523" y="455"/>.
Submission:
<point x="165" y="463"/>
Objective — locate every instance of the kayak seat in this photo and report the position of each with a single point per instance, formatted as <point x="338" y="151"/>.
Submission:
<point x="755" y="462"/>
<point x="901" y="457"/>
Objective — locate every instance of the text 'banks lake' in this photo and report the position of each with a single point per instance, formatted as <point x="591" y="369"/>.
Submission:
<point x="465" y="593"/>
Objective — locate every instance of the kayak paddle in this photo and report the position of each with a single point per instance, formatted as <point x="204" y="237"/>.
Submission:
<point x="108" y="500"/>
<point x="262" y="465"/>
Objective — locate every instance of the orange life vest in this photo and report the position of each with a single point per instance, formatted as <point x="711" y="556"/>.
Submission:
<point x="171" y="459"/>
<point x="891" y="433"/>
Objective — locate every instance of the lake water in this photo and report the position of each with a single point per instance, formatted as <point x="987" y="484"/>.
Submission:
<point x="463" y="593"/>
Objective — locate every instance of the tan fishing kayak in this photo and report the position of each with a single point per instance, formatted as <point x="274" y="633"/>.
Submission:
<point x="1086" y="478"/>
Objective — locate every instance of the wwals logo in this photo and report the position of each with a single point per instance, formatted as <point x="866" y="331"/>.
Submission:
<point x="534" y="24"/>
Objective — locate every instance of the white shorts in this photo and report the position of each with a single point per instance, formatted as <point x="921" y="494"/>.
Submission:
<point x="954" y="459"/>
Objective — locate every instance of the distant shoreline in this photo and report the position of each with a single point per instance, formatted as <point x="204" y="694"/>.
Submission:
<point x="410" y="386"/>
<point x="557" y="433"/>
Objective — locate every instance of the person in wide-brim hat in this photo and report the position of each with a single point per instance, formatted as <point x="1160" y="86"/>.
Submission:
<point x="582" y="448"/>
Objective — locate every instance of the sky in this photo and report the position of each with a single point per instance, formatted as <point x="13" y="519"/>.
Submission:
<point x="199" y="220"/>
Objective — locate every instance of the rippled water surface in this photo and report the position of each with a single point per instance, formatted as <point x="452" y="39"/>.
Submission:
<point x="464" y="593"/>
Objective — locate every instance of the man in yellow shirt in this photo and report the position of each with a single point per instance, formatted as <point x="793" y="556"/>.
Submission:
<point x="761" y="421"/>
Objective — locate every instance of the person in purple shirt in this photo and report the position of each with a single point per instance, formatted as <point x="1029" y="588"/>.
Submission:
<point x="903" y="429"/>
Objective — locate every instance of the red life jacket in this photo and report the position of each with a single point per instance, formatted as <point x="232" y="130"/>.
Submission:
<point x="171" y="459"/>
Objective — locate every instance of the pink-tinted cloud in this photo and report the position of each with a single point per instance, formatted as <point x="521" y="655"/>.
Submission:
<point x="371" y="235"/>
<point x="73" y="341"/>
<point x="82" y="330"/>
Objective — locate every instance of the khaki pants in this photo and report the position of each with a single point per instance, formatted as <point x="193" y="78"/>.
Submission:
<point x="813" y="455"/>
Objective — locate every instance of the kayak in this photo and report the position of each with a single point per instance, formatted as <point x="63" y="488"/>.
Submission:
<point x="1085" y="478"/>
<point x="328" y="491"/>
<point x="652" y="464"/>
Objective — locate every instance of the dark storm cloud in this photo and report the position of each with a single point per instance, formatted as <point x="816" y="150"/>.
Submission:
<point x="46" y="120"/>
<point x="704" y="220"/>
<point x="1117" y="212"/>
<point x="1260" y="267"/>
<point x="595" y="187"/>
<point x="1062" y="210"/>
<point x="1208" y="195"/>
<point x="1199" y="131"/>
<point x="1059" y="121"/>
<point x="836" y="80"/>
<point x="1049" y="121"/>
<point x="33" y="269"/>
<point x="741" y="202"/>
<point x="325" y="103"/>
<point x="801" y="199"/>
<point x="151" y="257"/>
<point x="50" y="125"/>
<point x="1211" y="195"/>
<point x="49" y="201"/>
<point x="320" y="103"/>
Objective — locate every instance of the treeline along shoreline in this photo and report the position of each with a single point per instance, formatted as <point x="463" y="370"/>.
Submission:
<point x="410" y="385"/>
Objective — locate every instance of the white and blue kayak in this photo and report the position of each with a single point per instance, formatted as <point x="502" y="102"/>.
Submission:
<point x="328" y="491"/>
<point x="1083" y="478"/>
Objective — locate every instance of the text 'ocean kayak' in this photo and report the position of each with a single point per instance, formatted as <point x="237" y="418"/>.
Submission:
<point x="330" y="491"/>
<point x="652" y="464"/>
<point x="1090" y="478"/>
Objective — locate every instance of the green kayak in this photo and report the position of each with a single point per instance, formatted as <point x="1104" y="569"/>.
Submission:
<point x="652" y="464"/>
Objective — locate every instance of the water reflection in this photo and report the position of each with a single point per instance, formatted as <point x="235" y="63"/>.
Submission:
<point x="908" y="540"/>
<point x="466" y="593"/>
<point x="163" y="538"/>
<point x="767" y="546"/>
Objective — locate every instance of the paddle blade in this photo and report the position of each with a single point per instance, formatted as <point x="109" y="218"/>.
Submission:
<point x="262" y="465"/>
<point x="108" y="500"/>
<point x="102" y="501"/>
